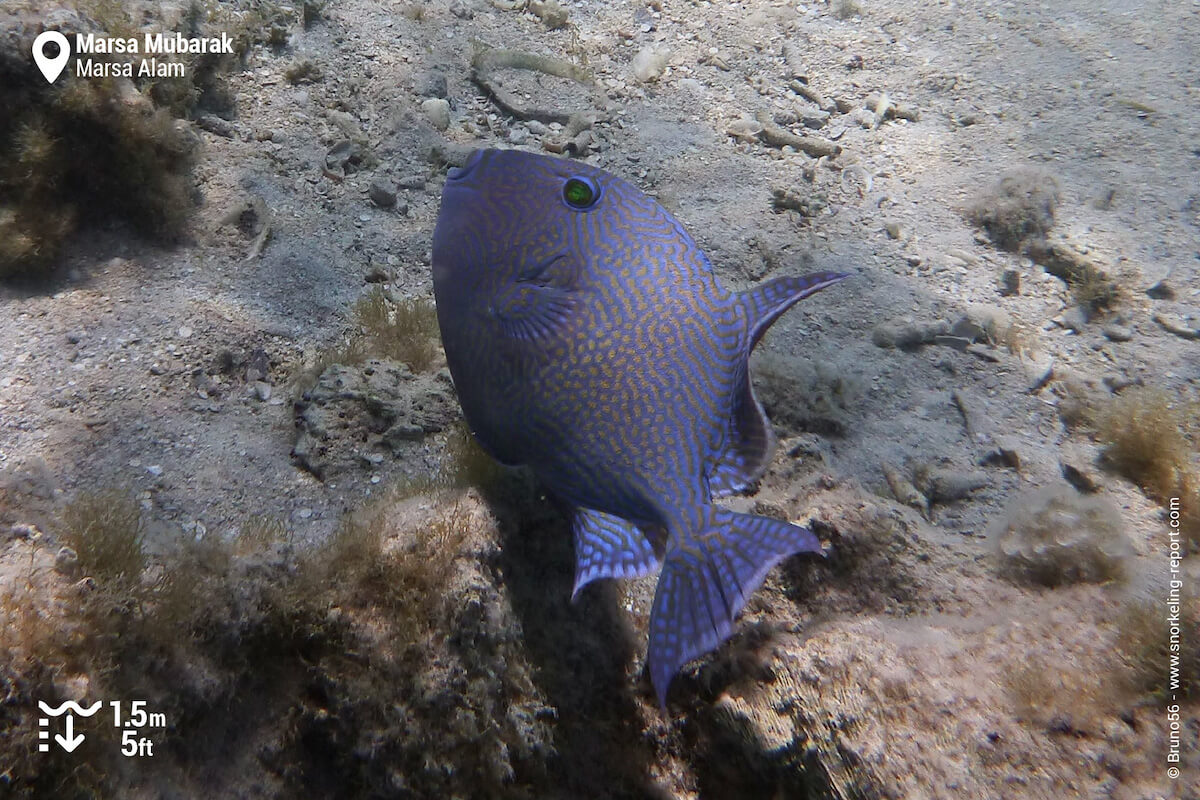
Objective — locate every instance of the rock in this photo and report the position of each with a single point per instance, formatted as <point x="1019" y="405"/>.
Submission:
<point x="1010" y="283"/>
<point x="1117" y="382"/>
<point x="374" y="405"/>
<point x="864" y="117"/>
<point x="258" y="366"/>
<point x="1039" y="370"/>
<point x="907" y="335"/>
<point x="1074" y="319"/>
<point x="462" y="9"/>
<point x="430" y="83"/>
<point x="1118" y="331"/>
<point x="983" y="323"/>
<point x="438" y="111"/>
<point x="745" y="128"/>
<point x="382" y="193"/>
<point x="347" y="157"/>
<point x="903" y="489"/>
<point x="1056" y="536"/>
<point x="815" y="119"/>
<point x="977" y="423"/>
<point x="66" y="562"/>
<point x="650" y="63"/>
<point x="551" y="13"/>
<point x="216" y="125"/>
<point x="807" y="731"/>
<point x="412" y="182"/>
<point x="894" y="229"/>
<point x="940" y="485"/>
<point x="1176" y="325"/>
<point x="347" y="125"/>
<point x="24" y="531"/>
<point x="1004" y="454"/>
<point x="262" y="391"/>
<point x="378" y="274"/>
<point x="1161" y="291"/>
<point x="1080" y="475"/>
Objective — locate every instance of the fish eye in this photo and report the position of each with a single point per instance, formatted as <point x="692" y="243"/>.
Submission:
<point x="581" y="193"/>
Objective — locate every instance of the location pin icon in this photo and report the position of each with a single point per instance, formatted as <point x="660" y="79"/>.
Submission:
<point x="51" y="67"/>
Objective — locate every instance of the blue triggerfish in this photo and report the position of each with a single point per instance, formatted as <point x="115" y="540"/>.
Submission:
<point x="589" y="339"/>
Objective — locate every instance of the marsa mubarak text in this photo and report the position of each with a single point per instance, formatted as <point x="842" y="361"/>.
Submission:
<point x="153" y="44"/>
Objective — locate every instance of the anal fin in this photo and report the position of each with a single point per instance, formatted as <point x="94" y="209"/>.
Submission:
<point x="749" y="442"/>
<point x="607" y="546"/>
<point x="749" y="439"/>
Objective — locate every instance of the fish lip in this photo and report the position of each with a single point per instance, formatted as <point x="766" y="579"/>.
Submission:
<point x="459" y="173"/>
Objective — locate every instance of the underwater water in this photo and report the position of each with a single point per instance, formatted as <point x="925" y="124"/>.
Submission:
<point x="339" y="460"/>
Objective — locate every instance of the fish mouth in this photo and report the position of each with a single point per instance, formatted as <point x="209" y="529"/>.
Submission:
<point x="459" y="173"/>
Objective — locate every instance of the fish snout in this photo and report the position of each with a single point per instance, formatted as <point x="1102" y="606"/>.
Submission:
<point x="459" y="173"/>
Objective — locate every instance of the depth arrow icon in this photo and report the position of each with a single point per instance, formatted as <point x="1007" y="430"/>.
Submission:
<point x="70" y="741"/>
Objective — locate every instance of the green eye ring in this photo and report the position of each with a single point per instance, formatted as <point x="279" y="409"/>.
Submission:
<point x="581" y="193"/>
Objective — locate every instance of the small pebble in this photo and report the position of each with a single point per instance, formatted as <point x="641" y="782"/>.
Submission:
<point x="1118" y="332"/>
<point x="438" y="111"/>
<point x="1161" y="291"/>
<point x="1010" y="282"/>
<point x="650" y="63"/>
<point x="66" y="562"/>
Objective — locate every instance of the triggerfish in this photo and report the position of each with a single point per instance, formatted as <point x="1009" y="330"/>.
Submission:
<point x="589" y="339"/>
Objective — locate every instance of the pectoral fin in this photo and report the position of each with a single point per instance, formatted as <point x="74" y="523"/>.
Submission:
<point x="539" y="300"/>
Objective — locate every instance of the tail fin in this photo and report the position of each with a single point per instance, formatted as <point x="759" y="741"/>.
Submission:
<point x="706" y="580"/>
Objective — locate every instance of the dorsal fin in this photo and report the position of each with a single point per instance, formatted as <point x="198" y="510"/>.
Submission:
<point x="767" y="301"/>
<point x="750" y="439"/>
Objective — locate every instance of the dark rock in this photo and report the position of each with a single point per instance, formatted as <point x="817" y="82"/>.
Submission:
<point x="377" y="405"/>
<point x="348" y="157"/>
<point x="382" y="193"/>
<point x="412" y="182"/>
<point x="1161" y="291"/>
<point x="430" y="83"/>
<point x="216" y="125"/>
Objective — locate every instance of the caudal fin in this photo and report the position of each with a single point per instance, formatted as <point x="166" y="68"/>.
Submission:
<point x="706" y="580"/>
